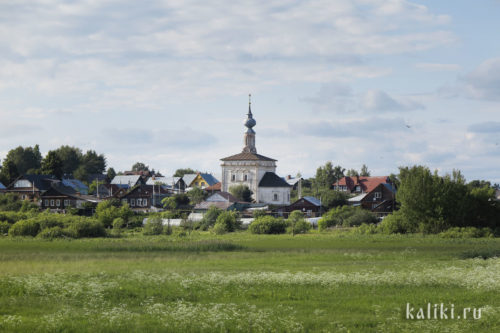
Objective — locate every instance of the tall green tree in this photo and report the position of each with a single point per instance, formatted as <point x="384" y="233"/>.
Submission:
<point x="8" y="173"/>
<point x="26" y="160"/>
<point x="91" y="163"/>
<point x="182" y="172"/>
<point x="71" y="158"/>
<point x="352" y="173"/>
<point x="139" y="166"/>
<point x="110" y="174"/>
<point x="325" y="176"/>
<point x="241" y="192"/>
<point x="52" y="165"/>
<point x="364" y="171"/>
<point x="196" y="195"/>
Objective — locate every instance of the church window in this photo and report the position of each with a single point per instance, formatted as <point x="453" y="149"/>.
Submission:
<point x="233" y="177"/>
<point x="275" y="197"/>
<point x="245" y="177"/>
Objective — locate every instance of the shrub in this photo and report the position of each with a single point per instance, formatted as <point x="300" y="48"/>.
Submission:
<point x="258" y="213"/>
<point x="396" y="223"/>
<point x="118" y="223"/>
<point x="24" y="228"/>
<point x="220" y="229"/>
<point x="153" y="226"/>
<point x="366" y="229"/>
<point x="50" y="233"/>
<point x="4" y="227"/>
<point x="268" y="225"/>
<point x="210" y="218"/>
<point x="228" y="221"/>
<point x="302" y="227"/>
<point x="297" y="223"/>
<point x="467" y="232"/>
<point x="85" y="227"/>
<point x="359" y="217"/>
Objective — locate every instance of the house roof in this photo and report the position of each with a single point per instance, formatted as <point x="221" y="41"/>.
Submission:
<point x="222" y="197"/>
<point x="357" y="198"/>
<point x="367" y="183"/>
<point x="99" y="176"/>
<point x="2" y="187"/>
<point x="188" y="178"/>
<point x="292" y="181"/>
<point x="123" y="180"/>
<point x="214" y="187"/>
<point x="69" y="191"/>
<point x="76" y="185"/>
<point x="247" y="157"/>
<point x="163" y="180"/>
<point x="219" y="204"/>
<point x="211" y="180"/>
<point x="41" y="182"/>
<point x="313" y="200"/>
<point x="271" y="179"/>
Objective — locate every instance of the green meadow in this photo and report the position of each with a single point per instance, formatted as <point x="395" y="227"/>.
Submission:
<point x="328" y="282"/>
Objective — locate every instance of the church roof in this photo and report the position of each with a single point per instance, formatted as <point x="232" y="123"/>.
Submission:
<point x="247" y="157"/>
<point x="271" y="179"/>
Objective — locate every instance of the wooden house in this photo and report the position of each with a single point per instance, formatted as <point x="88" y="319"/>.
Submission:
<point x="310" y="206"/>
<point x="31" y="187"/>
<point x="61" y="197"/>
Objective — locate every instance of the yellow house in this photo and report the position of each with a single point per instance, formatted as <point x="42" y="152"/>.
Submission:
<point x="200" y="180"/>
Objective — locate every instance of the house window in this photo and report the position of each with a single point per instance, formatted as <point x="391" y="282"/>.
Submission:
<point x="46" y="203"/>
<point x="139" y="202"/>
<point x="52" y="203"/>
<point x="245" y="177"/>
<point x="275" y="197"/>
<point x="145" y="202"/>
<point x="58" y="203"/>
<point x="233" y="177"/>
<point x="358" y="188"/>
<point x="66" y="203"/>
<point x="378" y="195"/>
<point x="132" y="202"/>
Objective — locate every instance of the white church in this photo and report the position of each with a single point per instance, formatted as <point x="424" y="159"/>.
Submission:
<point x="255" y="171"/>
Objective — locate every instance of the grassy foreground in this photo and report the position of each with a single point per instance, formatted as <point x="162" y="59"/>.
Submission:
<point x="241" y="282"/>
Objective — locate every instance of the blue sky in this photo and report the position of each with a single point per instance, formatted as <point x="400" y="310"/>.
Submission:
<point x="385" y="83"/>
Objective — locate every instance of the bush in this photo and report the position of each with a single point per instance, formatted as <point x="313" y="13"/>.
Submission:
<point x="50" y="233"/>
<point x="359" y="217"/>
<point x="227" y="221"/>
<point x="467" y="232"/>
<point x="85" y="227"/>
<point x="210" y="218"/>
<point x="153" y="226"/>
<point x="24" y="228"/>
<point x="220" y="229"/>
<point x="118" y="223"/>
<point x="258" y="213"/>
<point x="366" y="229"/>
<point x="268" y="225"/>
<point x="4" y="227"/>
<point x="297" y="223"/>
<point x="302" y="227"/>
<point x="395" y="223"/>
<point x="346" y="216"/>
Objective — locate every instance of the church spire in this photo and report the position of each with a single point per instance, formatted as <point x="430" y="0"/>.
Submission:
<point x="249" y="138"/>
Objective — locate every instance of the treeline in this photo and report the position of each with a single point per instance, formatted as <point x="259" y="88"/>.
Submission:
<point x="65" y="160"/>
<point x="430" y="203"/>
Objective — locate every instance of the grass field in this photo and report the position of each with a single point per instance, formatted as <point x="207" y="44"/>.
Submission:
<point x="241" y="282"/>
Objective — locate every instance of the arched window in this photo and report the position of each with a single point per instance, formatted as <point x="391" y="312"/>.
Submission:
<point x="245" y="177"/>
<point x="233" y="177"/>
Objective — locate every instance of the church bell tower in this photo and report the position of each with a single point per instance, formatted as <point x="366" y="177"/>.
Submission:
<point x="249" y="138"/>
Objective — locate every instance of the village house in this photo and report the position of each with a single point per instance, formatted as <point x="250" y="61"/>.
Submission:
<point x="174" y="184"/>
<point x="62" y="197"/>
<point x="310" y="206"/>
<point x="76" y="185"/>
<point x="201" y="180"/>
<point x="221" y="200"/>
<point x="143" y="197"/>
<point x="31" y="187"/>
<point x="379" y="200"/>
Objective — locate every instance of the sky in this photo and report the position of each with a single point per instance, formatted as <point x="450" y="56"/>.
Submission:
<point x="386" y="83"/>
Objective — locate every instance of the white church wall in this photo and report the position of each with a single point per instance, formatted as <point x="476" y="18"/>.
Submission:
<point x="274" y="195"/>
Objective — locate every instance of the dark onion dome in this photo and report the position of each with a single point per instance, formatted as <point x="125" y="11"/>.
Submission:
<point x="250" y="122"/>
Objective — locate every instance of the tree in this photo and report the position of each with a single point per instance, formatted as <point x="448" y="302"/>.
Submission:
<point x="210" y="217"/>
<point x="182" y="172"/>
<point x="176" y="201"/>
<point x="241" y="192"/>
<point x="140" y="167"/>
<point x="70" y="158"/>
<point x="364" y="171"/>
<point x="9" y="172"/>
<point x="226" y="222"/>
<point x="352" y="173"/>
<point x="331" y="198"/>
<point x="91" y="163"/>
<point x="52" y="165"/>
<point x="24" y="159"/>
<point x="325" y="176"/>
<point x="295" y="218"/>
<point x="110" y="174"/>
<point x="196" y="195"/>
